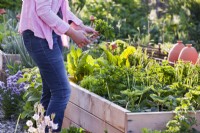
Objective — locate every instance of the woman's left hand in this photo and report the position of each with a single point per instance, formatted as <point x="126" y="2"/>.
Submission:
<point x="89" y="30"/>
<point x="92" y="34"/>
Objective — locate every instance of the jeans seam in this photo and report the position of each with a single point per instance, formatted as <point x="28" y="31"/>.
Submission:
<point x="51" y="65"/>
<point x="31" y="49"/>
<point x="29" y="44"/>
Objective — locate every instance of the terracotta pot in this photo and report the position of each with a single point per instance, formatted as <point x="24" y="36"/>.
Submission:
<point x="175" y="51"/>
<point x="189" y="54"/>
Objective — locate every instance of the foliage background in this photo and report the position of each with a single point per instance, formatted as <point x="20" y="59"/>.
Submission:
<point x="132" y="19"/>
<point x="11" y="4"/>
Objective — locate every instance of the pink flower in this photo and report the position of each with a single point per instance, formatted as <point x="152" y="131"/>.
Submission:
<point x="92" y="18"/>
<point x="2" y="11"/>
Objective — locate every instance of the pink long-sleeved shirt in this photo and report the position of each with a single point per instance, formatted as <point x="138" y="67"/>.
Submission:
<point x="40" y="16"/>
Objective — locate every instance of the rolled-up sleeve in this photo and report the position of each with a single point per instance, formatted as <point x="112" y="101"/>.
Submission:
<point x="68" y="15"/>
<point x="73" y="18"/>
<point x="44" y="11"/>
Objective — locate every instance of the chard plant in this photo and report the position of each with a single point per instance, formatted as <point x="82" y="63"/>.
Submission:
<point x="80" y="64"/>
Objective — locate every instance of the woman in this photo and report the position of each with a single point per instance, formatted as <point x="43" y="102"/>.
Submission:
<point x="42" y="24"/>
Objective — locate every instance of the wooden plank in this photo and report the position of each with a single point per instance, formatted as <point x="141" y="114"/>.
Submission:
<point x="197" y="117"/>
<point x="68" y="123"/>
<point x="160" y="60"/>
<point x="138" y="121"/>
<point x="99" y="107"/>
<point x="4" y="58"/>
<point x="1" y="60"/>
<point x="88" y="121"/>
<point x="154" y="120"/>
<point x="3" y="76"/>
<point x="10" y="58"/>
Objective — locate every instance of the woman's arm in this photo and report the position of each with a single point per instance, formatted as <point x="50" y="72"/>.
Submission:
<point x="43" y="10"/>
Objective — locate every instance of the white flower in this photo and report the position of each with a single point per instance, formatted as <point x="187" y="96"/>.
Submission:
<point x="29" y="123"/>
<point x="32" y="130"/>
<point x="26" y="86"/>
<point x="153" y="15"/>
<point x="43" y="123"/>
<point x="176" y="19"/>
<point x="54" y="126"/>
<point x="182" y="118"/>
<point x="41" y="128"/>
<point x="36" y="117"/>
<point x="47" y="120"/>
<point x="40" y="108"/>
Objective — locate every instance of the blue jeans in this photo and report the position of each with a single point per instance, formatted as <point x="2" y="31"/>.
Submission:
<point x="56" y="88"/>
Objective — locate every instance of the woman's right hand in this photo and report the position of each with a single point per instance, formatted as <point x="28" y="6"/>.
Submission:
<point x="78" y="36"/>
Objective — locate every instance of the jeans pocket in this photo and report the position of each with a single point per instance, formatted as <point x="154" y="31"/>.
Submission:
<point x="27" y="39"/>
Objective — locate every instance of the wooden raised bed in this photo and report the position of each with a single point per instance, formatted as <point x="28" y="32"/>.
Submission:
<point x="157" y="52"/>
<point x="96" y="114"/>
<point x="4" y="58"/>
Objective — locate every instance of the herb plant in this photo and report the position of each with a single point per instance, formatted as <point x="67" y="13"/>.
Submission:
<point x="106" y="30"/>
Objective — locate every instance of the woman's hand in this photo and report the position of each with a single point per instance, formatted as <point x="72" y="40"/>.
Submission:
<point x="78" y="36"/>
<point x="89" y="30"/>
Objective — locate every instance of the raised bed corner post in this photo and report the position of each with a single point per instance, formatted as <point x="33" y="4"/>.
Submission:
<point x="1" y="60"/>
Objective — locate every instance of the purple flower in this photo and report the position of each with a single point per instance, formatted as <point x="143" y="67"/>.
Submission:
<point x="7" y="72"/>
<point x="12" y="84"/>
<point x="2" y="85"/>
<point x="21" y="85"/>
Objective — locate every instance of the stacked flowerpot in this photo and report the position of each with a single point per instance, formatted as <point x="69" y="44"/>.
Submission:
<point x="185" y="53"/>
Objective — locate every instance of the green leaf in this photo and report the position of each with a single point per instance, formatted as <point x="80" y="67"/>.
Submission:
<point x="157" y="98"/>
<point x="110" y="57"/>
<point x="21" y="80"/>
<point x="128" y="63"/>
<point x="128" y="51"/>
<point x="33" y="99"/>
